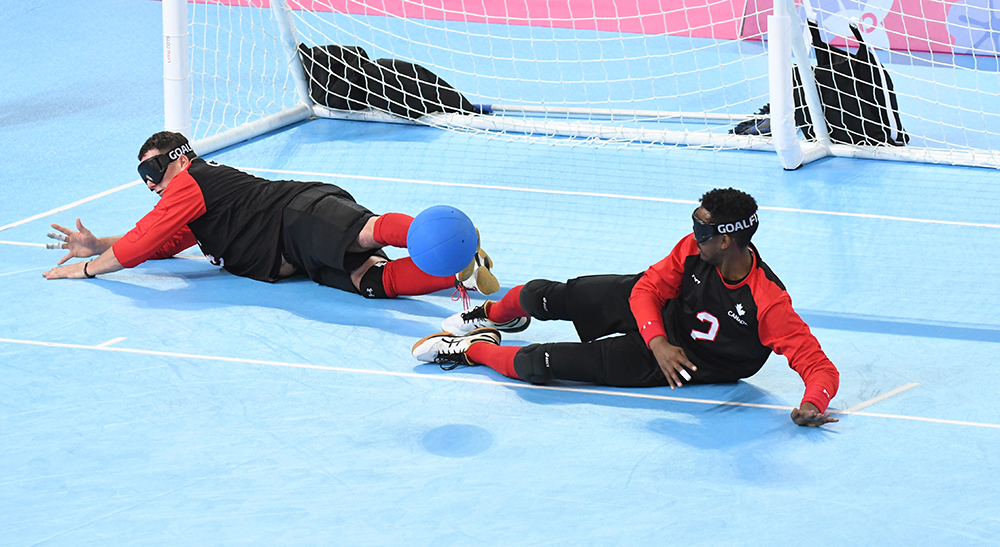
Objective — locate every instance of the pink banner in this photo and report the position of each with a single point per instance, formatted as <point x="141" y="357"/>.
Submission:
<point x="903" y="25"/>
<point x="700" y="18"/>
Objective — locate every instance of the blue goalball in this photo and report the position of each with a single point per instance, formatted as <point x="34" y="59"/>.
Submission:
<point x="442" y="240"/>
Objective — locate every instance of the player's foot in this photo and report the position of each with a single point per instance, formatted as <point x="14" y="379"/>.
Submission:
<point x="461" y="323"/>
<point x="477" y="275"/>
<point x="449" y="350"/>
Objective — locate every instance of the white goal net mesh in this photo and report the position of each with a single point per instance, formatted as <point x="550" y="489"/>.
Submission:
<point x="611" y="71"/>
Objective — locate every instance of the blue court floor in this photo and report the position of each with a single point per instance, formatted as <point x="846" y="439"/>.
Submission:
<point x="175" y="404"/>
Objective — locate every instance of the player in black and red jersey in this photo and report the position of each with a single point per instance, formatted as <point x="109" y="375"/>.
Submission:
<point x="711" y="311"/>
<point x="261" y="229"/>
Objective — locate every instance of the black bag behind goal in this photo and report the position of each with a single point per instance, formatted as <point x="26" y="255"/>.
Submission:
<point x="858" y="98"/>
<point x="344" y="78"/>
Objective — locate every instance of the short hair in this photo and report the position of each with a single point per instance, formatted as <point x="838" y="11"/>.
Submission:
<point x="164" y="141"/>
<point x="730" y="205"/>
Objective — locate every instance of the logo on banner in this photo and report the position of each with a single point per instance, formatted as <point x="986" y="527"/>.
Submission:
<point x="836" y="17"/>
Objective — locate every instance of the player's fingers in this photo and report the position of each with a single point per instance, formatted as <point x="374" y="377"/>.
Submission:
<point x="684" y="360"/>
<point x="83" y="229"/>
<point x="64" y="259"/>
<point x="827" y="418"/>
<point x="685" y="374"/>
<point x="668" y="373"/>
<point x="55" y="236"/>
<point x="63" y="229"/>
<point x="676" y="372"/>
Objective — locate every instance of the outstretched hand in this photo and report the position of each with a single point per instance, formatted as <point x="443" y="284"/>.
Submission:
<point x="69" y="271"/>
<point x="81" y="243"/>
<point x="672" y="360"/>
<point x="809" y="415"/>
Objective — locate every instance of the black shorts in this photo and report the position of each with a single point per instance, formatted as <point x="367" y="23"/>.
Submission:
<point x="318" y="226"/>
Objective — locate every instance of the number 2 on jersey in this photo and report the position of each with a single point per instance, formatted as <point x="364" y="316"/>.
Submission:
<point x="713" y="328"/>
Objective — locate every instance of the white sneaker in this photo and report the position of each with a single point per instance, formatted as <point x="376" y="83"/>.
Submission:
<point x="448" y="350"/>
<point x="476" y="318"/>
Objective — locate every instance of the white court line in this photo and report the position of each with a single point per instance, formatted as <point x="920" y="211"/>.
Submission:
<point x="452" y="378"/>
<point x="880" y="398"/>
<point x="515" y="189"/>
<point x="23" y="271"/>
<point x="111" y="342"/>
<point x="71" y="205"/>
<point x="22" y="243"/>
<point x="615" y="196"/>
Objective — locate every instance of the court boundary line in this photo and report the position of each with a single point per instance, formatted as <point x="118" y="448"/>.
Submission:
<point x="111" y="342"/>
<point x="882" y="397"/>
<point x="513" y="189"/>
<point x="62" y="208"/>
<point x="21" y="243"/>
<point x="486" y="381"/>
<point x="615" y="196"/>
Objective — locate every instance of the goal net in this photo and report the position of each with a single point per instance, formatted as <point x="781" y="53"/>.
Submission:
<point x="606" y="72"/>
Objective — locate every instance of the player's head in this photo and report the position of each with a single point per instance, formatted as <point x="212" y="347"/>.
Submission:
<point x="729" y="212"/>
<point x="161" y="157"/>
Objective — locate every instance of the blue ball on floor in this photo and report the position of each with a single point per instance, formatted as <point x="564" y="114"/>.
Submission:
<point x="442" y="240"/>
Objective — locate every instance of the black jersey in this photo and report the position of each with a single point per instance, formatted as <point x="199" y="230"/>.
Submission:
<point x="234" y="216"/>
<point x="241" y="227"/>
<point x="729" y="330"/>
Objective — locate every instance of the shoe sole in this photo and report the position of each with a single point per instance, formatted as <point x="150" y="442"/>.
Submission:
<point x="486" y="282"/>
<point x="517" y="328"/>
<point x="493" y="334"/>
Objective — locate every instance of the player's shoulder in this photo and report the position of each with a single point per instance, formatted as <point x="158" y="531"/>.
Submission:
<point x="201" y="166"/>
<point x="766" y="278"/>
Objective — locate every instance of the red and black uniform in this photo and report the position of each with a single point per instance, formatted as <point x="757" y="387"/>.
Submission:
<point x="243" y="223"/>
<point x="727" y="330"/>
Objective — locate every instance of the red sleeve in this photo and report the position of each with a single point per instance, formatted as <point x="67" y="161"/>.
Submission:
<point x="782" y="330"/>
<point x="181" y="240"/>
<point x="163" y="229"/>
<point x="661" y="282"/>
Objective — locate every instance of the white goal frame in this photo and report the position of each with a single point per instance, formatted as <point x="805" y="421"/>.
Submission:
<point x="787" y="50"/>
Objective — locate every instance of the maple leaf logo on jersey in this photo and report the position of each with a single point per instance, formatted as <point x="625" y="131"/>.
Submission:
<point x="739" y="310"/>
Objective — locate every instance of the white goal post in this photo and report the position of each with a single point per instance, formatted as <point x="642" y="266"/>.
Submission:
<point x="598" y="72"/>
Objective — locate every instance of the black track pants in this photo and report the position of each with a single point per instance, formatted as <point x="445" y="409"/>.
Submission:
<point x="611" y="351"/>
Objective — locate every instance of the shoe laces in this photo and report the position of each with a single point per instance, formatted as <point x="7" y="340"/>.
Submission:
<point x="450" y="361"/>
<point x="477" y="314"/>
<point x="461" y="293"/>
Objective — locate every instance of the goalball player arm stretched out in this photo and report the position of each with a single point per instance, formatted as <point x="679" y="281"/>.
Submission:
<point x="82" y="243"/>
<point x="161" y="233"/>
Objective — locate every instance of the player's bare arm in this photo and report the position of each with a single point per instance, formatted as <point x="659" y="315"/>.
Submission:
<point x="672" y="361"/>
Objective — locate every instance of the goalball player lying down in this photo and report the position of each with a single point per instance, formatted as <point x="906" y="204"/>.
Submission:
<point x="261" y="229"/>
<point x="712" y="311"/>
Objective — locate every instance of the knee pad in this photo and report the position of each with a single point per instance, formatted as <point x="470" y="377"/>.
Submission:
<point x="371" y="285"/>
<point x="531" y="364"/>
<point x="544" y="299"/>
